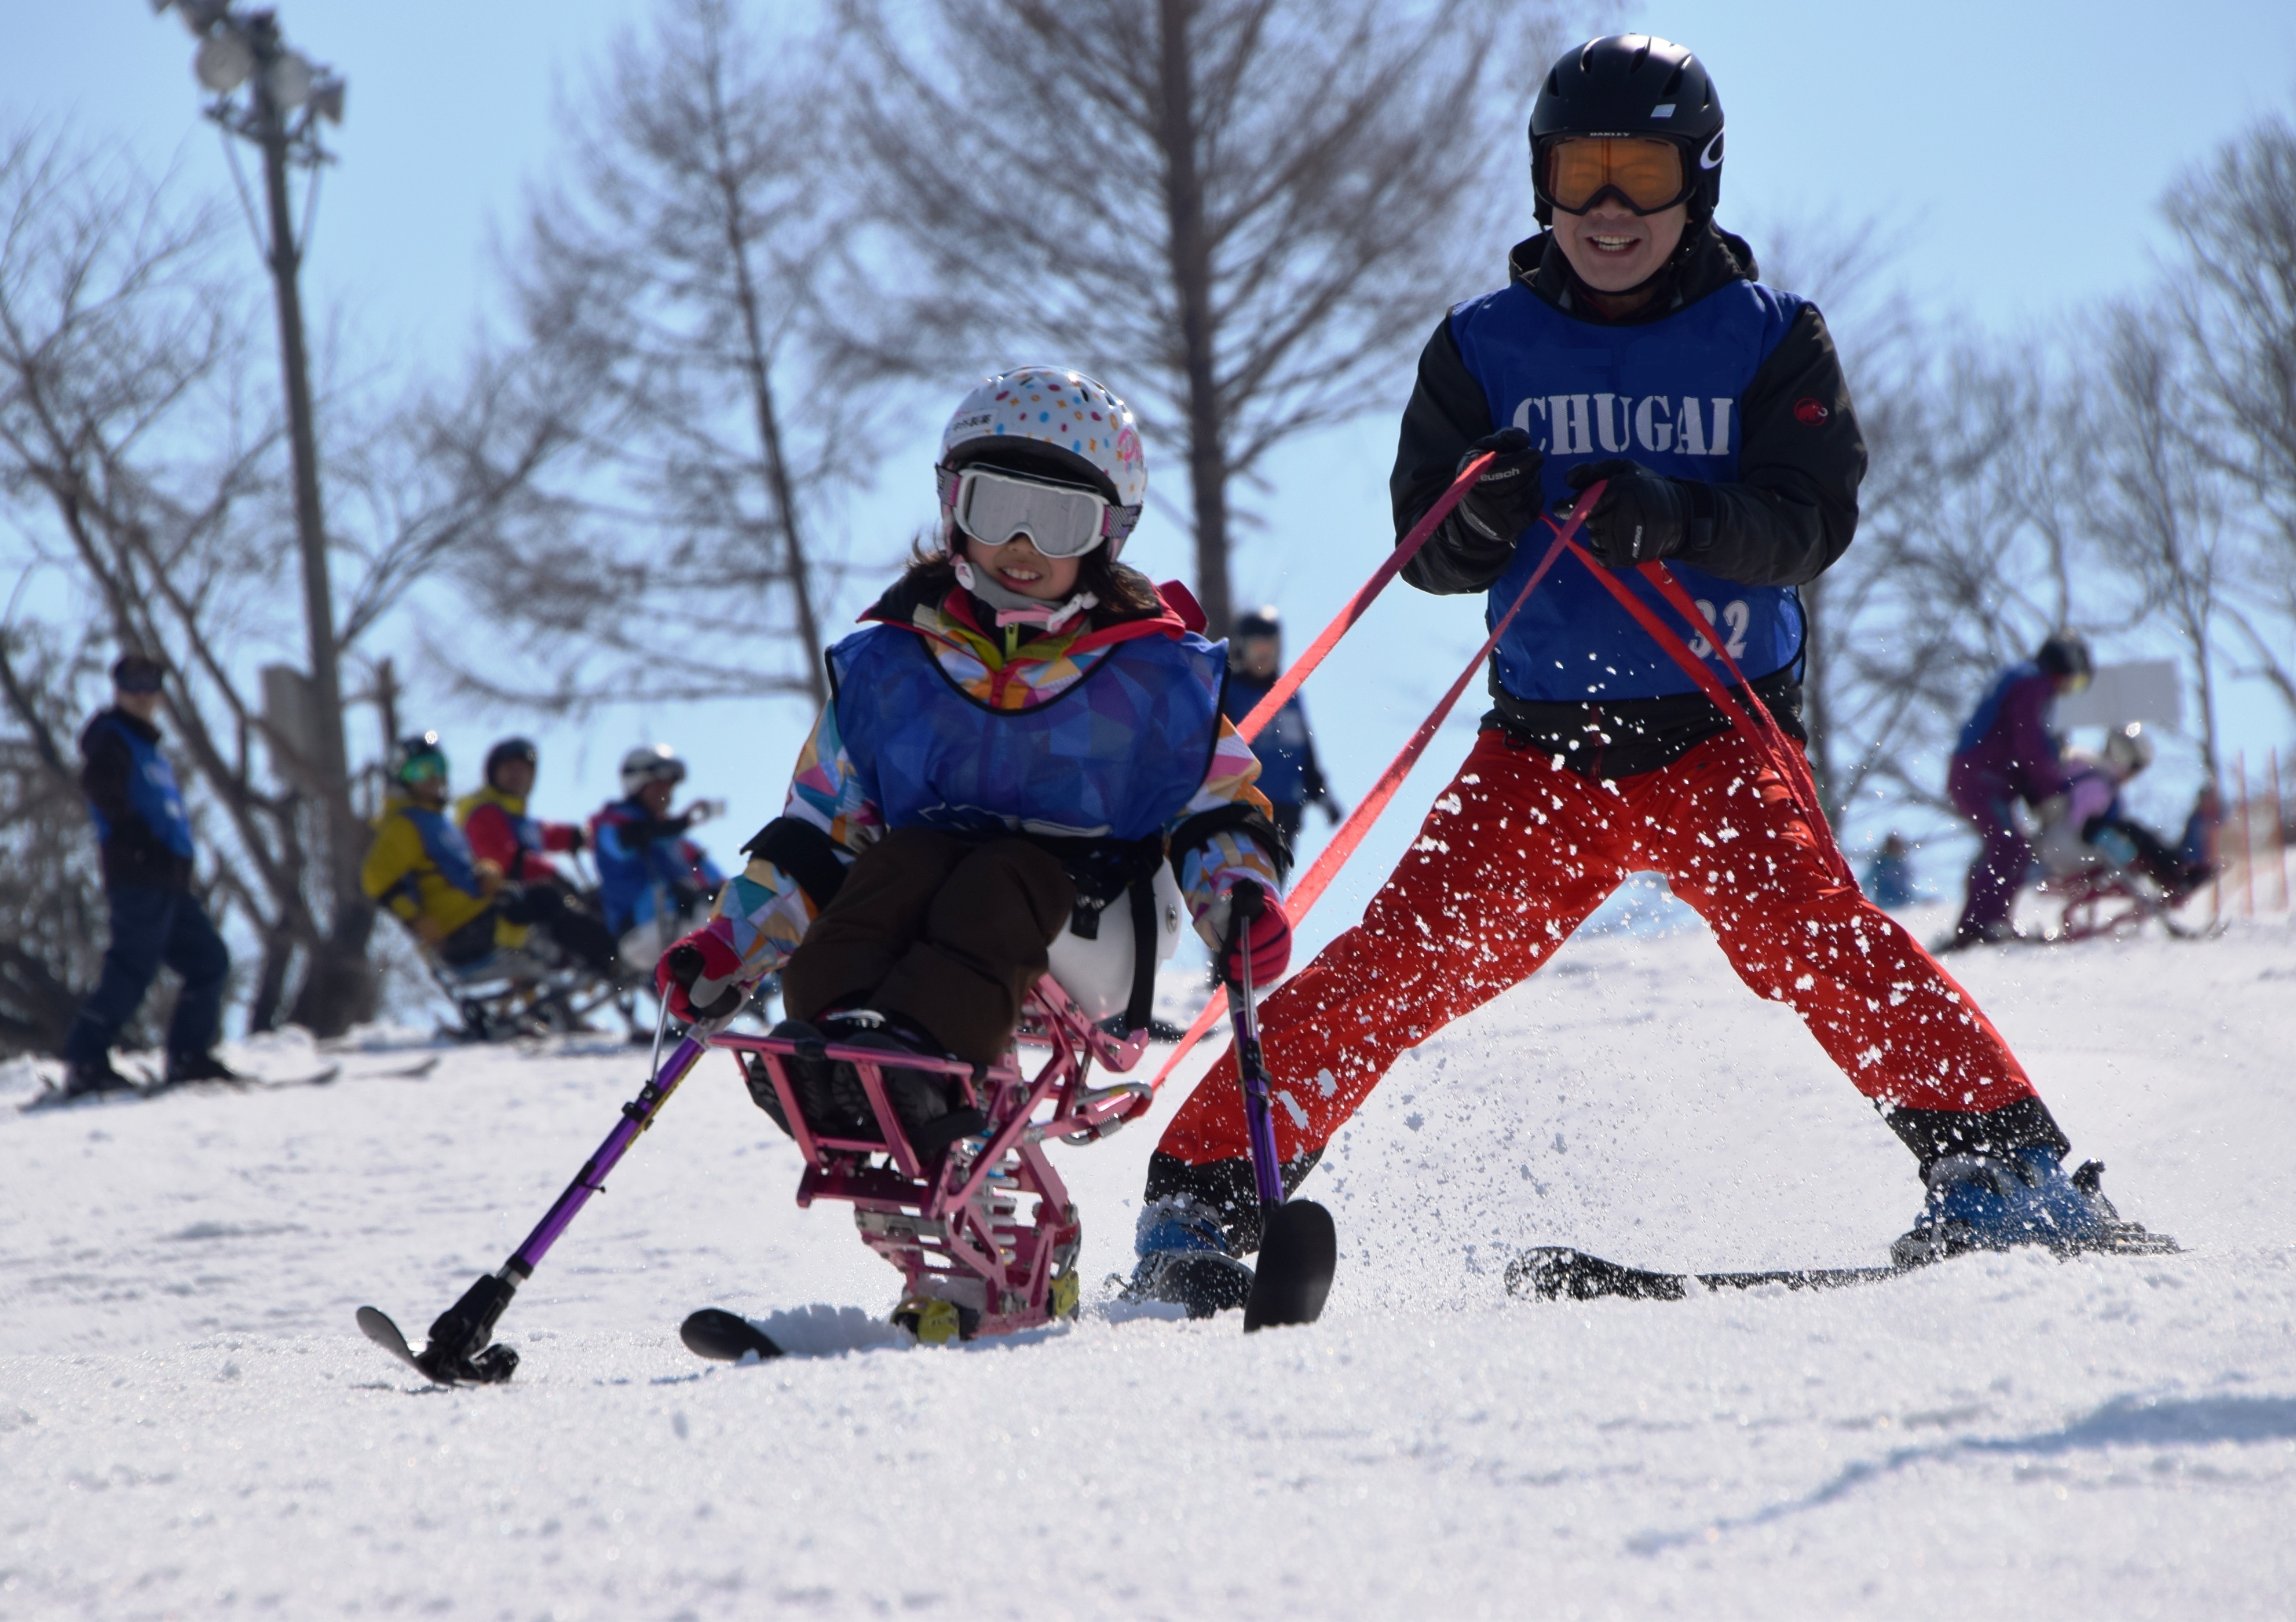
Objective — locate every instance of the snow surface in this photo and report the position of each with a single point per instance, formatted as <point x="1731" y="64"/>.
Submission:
<point x="191" y="1426"/>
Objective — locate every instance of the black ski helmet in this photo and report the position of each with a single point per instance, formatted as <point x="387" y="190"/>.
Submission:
<point x="510" y="749"/>
<point x="1258" y="622"/>
<point x="1637" y="86"/>
<point x="2066" y="655"/>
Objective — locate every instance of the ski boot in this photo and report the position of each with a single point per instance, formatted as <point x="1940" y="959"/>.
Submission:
<point x="189" y="1066"/>
<point x="1992" y="1202"/>
<point x="90" y="1077"/>
<point x="1185" y="1260"/>
<point x="922" y="1101"/>
<point x="830" y="1094"/>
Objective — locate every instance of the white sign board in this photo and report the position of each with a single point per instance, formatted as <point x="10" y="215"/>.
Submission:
<point x="2143" y="690"/>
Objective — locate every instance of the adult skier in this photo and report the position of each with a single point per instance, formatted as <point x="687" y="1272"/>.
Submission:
<point x="156" y="920"/>
<point x="2006" y="752"/>
<point x="1289" y="774"/>
<point x="1024" y="733"/>
<point x="1633" y="344"/>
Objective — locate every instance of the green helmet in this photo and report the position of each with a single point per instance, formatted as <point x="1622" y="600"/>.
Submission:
<point x="418" y="758"/>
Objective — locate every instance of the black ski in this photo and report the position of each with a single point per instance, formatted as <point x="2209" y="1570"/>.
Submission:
<point x="1552" y="1273"/>
<point x="1299" y="1253"/>
<point x="151" y="1087"/>
<point x="377" y="1326"/>
<point x="725" y="1337"/>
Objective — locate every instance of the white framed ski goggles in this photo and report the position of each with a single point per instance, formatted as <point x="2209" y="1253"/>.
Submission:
<point x="1060" y="521"/>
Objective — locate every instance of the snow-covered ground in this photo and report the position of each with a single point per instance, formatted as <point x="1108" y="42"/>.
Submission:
<point x="191" y="1426"/>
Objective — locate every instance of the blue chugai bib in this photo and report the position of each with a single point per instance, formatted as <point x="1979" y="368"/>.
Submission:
<point x="1667" y="395"/>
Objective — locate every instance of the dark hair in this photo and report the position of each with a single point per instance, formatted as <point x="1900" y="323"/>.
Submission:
<point x="1124" y="591"/>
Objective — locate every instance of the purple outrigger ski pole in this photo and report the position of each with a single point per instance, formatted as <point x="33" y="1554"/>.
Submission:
<point x="459" y="1352"/>
<point x="1250" y="1067"/>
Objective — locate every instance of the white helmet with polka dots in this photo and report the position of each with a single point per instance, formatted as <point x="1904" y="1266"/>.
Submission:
<point x="1053" y="427"/>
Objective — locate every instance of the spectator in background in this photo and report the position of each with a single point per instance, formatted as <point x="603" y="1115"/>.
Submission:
<point x="2199" y="845"/>
<point x="421" y="868"/>
<point x="1890" y="875"/>
<point x="2006" y="752"/>
<point x="494" y="819"/>
<point x="653" y="881"/>
<point x="156" y="921"/>
<point x="1289" y="773"/>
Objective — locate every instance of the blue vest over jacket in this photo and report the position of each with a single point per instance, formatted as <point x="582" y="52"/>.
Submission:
<point x="152" y="792"/>
<point x="1665" y="395"/>
<point x="1116" y="756"/>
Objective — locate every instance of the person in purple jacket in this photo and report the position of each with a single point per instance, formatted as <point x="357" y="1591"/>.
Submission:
<point x="2007" y="753"/>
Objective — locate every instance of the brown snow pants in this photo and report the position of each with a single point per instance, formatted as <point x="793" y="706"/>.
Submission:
<point x="947" y="933"/>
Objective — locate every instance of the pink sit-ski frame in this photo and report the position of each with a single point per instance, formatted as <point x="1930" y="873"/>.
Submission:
<point x="956" y="1232"/>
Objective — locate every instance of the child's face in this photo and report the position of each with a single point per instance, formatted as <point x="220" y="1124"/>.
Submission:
<point x="1261" y="655"/>
<point x="1017" y="566"/>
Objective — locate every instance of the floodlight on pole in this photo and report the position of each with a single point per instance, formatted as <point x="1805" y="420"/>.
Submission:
<point x="222" y="62"/>
<point x="289" y="79"/>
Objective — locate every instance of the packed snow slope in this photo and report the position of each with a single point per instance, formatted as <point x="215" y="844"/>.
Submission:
<point x="191" y="1426"/>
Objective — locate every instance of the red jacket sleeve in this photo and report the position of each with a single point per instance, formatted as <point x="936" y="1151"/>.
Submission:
<point x="562" y="836"/>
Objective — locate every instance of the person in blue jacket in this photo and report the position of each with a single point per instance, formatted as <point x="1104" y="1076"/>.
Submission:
<point x="156" y="920"/>
<point x="653" y="881"/>
<point x="1290" y="775"/>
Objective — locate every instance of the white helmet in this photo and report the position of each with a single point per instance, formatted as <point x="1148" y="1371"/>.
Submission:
<point x="1054" y="423"/>
<point x="655" y="763"/>
<point x="2128" y="750"/>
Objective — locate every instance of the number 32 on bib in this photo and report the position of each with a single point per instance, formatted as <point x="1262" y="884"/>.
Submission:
<point x="1736" y="616"/>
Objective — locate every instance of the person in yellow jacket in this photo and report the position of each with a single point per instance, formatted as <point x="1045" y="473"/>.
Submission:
<point x="421" y="868"/>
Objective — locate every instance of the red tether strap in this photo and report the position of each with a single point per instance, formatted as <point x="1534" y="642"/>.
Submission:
<point x="1767" y="736"/>
<point x="1288" y="683"/>
<point x="1335" y="855"/>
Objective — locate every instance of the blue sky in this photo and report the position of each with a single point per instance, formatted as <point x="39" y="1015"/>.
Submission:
<point x="2019" y="151"/>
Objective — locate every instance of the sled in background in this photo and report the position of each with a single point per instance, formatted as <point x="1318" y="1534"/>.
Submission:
<point x="510" y="993"/>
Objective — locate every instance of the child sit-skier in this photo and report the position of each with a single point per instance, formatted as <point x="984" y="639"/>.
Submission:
<point x="2087" y="821"/>
<point x="1024" y="731"/>
<point x="653" y="881"/>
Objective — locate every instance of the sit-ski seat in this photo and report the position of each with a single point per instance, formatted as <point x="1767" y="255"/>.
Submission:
<point x="984" y="1233"/>
<point x="513" y="992"/>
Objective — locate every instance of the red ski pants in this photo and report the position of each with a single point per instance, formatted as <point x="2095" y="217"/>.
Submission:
<point x="1515" y="855"/>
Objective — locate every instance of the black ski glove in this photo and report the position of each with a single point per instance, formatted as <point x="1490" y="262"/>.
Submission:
<point x="1503" y="503"/>
<point x="1640" y="517"/>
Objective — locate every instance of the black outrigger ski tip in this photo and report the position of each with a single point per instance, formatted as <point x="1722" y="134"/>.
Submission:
<point x="725" y="1337"/>
<point x="490" y="1366"/>
<point x="1299" y="1253"/>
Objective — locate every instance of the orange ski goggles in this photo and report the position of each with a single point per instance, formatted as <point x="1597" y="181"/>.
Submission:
<point x="1648" y="175"/>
